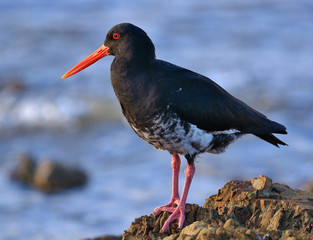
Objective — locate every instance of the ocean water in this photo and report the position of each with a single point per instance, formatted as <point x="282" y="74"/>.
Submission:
<point x="260" y="51"/>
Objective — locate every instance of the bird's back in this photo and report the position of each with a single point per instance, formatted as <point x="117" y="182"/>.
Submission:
<point x="166" y="90"/>
<point x="198" y="100"/>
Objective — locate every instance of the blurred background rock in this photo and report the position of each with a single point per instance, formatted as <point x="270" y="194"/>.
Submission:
<point x="260" y="51"/>
<point x="47" y="175"/>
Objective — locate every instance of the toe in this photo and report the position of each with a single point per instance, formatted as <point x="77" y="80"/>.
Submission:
<point x="181" y="220"/>
<point x="179" y="214"/>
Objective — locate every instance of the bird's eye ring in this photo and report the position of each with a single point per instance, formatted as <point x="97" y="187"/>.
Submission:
<point x="116" y="35"/>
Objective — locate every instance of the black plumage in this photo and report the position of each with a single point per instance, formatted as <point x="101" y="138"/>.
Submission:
<point x="146" y="87"/>
<point x="173" y="108"/>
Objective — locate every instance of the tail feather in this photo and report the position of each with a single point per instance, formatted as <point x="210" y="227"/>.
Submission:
<point x="268" y="137"/>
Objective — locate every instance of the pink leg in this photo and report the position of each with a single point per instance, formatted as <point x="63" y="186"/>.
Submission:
<point x="175" y="195"/>
<point x="179" y="212"/>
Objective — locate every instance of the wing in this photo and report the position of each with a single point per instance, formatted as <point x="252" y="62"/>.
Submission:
<point x="200" y="101"/>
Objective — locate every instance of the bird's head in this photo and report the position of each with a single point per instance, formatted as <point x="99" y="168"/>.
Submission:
<point x="124" y="40"/>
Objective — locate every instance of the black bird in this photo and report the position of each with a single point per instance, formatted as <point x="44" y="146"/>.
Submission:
<point x="173" y="108"/>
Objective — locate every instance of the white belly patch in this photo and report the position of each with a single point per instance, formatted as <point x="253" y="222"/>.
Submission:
<point x="176" y="136"/>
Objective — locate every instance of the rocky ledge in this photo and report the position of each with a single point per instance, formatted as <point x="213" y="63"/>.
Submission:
<point x="256" y="209"/>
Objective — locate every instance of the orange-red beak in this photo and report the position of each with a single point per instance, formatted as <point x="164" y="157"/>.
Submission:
<point x="92" y="58"/>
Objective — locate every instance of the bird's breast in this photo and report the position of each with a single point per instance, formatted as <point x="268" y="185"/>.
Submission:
<point x="168" y="132"/>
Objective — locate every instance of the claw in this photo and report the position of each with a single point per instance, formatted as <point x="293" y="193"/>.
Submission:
<point x="179" y="214"/>
<point x="166" y="208"/>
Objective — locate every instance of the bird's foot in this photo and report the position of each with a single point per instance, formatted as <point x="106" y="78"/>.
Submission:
<point x="179" y="213"/>
<point x="167" y="208"/>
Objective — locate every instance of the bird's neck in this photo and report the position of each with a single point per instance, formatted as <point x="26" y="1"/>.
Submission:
<point x="131" y="84"/>
<point x="128" y="78"/>
<point x="128" y="68"/>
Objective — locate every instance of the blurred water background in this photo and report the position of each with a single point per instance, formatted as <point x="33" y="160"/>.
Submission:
<point x="260" y="51"/>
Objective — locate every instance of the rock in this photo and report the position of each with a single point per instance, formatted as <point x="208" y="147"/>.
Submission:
<point x="50" y="176"/>
<point x="150" y="226"/>
<point x="221" y="233"/>
<point x="24" y="172"/>
<point x="47" y="175"/>
<point x="107" y="237"/>
<point x="261" y="183"/>
<point x="12" y="84"/>
<point x="206" y="233"/>
<point x="240" y="233"/>
<point x="286" y="234"/>
<point x="193" y="229"/>
<point x="276" y="221"/>
<point x="231" y="224"/>
<point x="172" y="237"/>
<point x="252" y="235"/>
<point x="256" y="209"/>
<point x="309" y="187"/>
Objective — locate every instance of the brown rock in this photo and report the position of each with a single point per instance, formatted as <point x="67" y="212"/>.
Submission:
<point x="266" y="217"/>
<point x="280" y="209"/>
<point x="47" y="175"/>
<point x="252" y="235"/>
<point x="287" y="233"/>
<point x="221" y="233"/>
<point x="24" y="172"/>
<point x="276" y="221"/>
<point x="193" y="229"/>
<point x="261" y="183"/>
<point x="50" y="176"/>
<point x="231" y="224"/>
<point x="107" y="237"/>
<point x="309" y="187"/>
<point x="242" y="214"/>
<point x="240" y="233"/>
<point x="206" y="233"/>
<point x="238" y="211"/>
<point x="185" y="237"/>
<point x="12" y="84"/>
<point x="172" y="237"/>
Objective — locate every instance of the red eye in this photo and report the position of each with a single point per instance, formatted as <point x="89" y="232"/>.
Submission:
<point x="116" y="35"/>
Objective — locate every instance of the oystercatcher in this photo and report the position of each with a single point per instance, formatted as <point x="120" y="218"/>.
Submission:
<point x="173" y="108"/>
